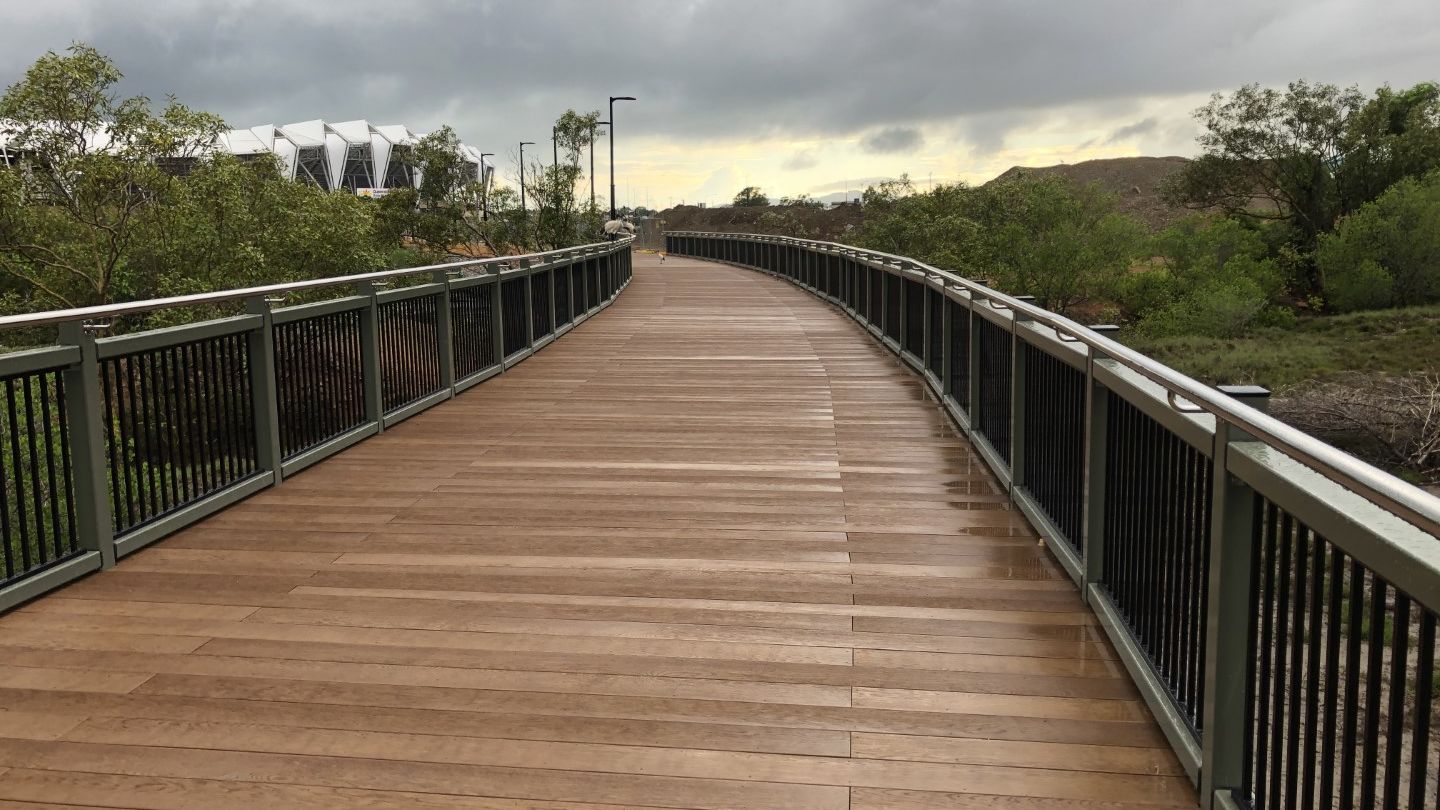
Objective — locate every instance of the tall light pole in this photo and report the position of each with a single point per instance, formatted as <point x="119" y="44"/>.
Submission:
<point x="484" y="187"/>
<point x="614" y="99"/>
<point x="592" y="160"/>
<point x="524" y="214"/>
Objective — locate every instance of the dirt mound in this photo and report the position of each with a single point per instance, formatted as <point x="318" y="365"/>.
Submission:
<point x="1135" y="181"/>
<point x="780" y="220"/>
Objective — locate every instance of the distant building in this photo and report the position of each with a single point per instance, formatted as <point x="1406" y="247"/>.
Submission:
<point x="354" y="156"/>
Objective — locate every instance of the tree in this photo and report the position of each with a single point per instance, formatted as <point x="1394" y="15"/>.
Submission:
<point x="801" y="201"/>
<point x="91" y="164"/>
<point x="1387" y="254"/>
<point x="941" y="228"/>
<point x="1307" y="156"/>
<point x="439" y="216"/>
<point x="1061" y="242"/>
<point x="1211" y="276"/>
<point x="110" y="201"/>
<point x="751" y="197"/>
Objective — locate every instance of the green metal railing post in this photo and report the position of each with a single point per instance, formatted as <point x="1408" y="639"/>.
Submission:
<point x="972" y="407"/>
<point x="529" y="304"/>
<point x="1017" y="404"/>
<point x="444" y="337"/>
<point x="94" y="521"/>
<point x="370" y="357"/>
<point x="1097" y="438"/>
<point x="260" y="346"/>
<point x="1228" y="614"/>
<point x="497" y="320"/>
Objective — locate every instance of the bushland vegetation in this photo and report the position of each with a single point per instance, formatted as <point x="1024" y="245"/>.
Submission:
<point x="1311" y="263"/>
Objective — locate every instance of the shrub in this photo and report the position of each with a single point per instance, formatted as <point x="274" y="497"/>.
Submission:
<point x="1387" y="254"/>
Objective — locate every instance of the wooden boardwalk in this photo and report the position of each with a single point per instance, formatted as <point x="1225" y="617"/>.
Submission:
<point x="713" y="550"/>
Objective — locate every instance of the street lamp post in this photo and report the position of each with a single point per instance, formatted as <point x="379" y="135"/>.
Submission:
<point x="592" y="160"/>
<point x="484" y="188"/>
<point x="614" y="99"/>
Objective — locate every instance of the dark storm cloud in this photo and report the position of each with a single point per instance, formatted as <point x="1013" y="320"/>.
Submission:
<point x="1128" y="131"/>
<point x="892" y="140"/>
<point x="500" y="70"/>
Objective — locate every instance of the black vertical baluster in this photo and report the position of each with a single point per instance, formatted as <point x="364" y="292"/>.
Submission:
<point x="196" y="402"/>
<point x="1333" y="708"/>
<point x="330" y="367"/>
<point x="1424" y="694"/>
<point x="48" y="417"/>
<point x="229" y="451"/>
<point x="1312" y="666"/>
<point x="154" y="397"/>
<point x="1255" y="667"/>
<point x="169" y="438"/>
<point x="234" y="417"/>
<point x="70" y="528"/>
<point x="120" y="495"/>
<point x="1277" y="743"/>
<point x="316" y="427"/>
<point x="215" y="441"/>
<point x="1295" y="697"/>
<point x="179" y="385"/>
<point x="37" y="496"/>
<point x="1395" y="724"/>
<point x="134" y="411"/>
<point x="17" y="470"/>
<point x="7" y="551"/>
<point x="1375" y="644"/>
<point x="1353" y="634"/>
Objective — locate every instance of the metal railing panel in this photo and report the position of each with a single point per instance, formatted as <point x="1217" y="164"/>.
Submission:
<point x="319" y="379"/>
<point x="37" y="482"/>
<point x="179" y="423"/>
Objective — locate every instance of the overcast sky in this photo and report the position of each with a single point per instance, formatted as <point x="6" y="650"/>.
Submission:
<point x="796" y="96"/>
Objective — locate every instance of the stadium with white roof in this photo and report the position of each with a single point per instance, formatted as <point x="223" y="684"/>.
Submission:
<point x="354" y="156"/>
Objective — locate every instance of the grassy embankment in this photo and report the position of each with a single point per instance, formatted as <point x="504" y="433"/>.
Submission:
<point x="1396" y="341"/>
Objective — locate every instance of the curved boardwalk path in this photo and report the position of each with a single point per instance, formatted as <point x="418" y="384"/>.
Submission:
<point x="714" y="550"/>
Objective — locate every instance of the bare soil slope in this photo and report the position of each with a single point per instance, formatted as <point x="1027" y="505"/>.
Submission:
<point x="1136" y="181"/>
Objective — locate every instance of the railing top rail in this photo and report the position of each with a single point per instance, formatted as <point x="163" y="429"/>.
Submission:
<point x="1405" y="500"/>
<point x="105" y="311"/>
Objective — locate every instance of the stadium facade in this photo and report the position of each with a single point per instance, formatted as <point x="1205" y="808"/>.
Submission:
<point x="354" y="156"/>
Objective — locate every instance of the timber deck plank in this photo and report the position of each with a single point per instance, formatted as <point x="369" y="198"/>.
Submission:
<point x="716" y="549"/>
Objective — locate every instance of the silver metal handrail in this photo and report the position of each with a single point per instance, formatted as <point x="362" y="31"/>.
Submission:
<point x="106" y="311"/>
<point x="1405" y="500"/>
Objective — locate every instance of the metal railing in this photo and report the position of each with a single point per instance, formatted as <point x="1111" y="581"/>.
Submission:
<point x="110" y="443"/>
<point x="1273" y="597"/>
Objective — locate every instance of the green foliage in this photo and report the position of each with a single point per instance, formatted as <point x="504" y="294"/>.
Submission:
<point x="1211" y="277"/>
<point x="439" y="217"/>
<point x="112" y="200"/>
<point x="1308" y="156"/>
<point x="1065" y="244"/>
<point x="1046" y="237"/>
<point x="801" y="201"/>
<point x="751" y="197"/>
<point x="91" y="168"/>
<point x="1388" y="253"/>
